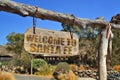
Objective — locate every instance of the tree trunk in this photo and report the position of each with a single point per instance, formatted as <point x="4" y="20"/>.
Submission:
<point x="110" y="49"/>
<point x="102" y="52"/>
<point x="26" y="10"/>
<point x="102" y="56"/>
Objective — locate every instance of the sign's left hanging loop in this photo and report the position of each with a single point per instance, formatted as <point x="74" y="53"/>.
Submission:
<point x="35" y="19"/>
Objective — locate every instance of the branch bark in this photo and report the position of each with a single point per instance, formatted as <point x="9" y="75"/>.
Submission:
<point x="27" y="10"/>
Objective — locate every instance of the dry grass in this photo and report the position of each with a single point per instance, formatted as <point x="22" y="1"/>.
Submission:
<point x="68" y="76"/>
<point x="6" y="76"/>
<point x="72" y="76"/>
<point x="61" y="76"/>
<point x="116" y="68"/>
<point x="81" y="67"/>
<point x="74" y="67"/>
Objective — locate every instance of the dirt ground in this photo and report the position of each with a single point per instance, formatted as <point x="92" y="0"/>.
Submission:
<point x="32" y="77"/>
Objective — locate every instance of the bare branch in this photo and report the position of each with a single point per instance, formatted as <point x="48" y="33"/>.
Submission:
<point x="27" y="10"/>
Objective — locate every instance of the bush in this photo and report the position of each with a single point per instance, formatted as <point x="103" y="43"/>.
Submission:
<point x="69" y="76"/>
<point x="22" y="61"/>
<point x="62" y="67"/>
<point x="39" y="64"/>
<point x="46" y="70"/>
<point x="6" y="76"/>
<point x="42" y="68"/>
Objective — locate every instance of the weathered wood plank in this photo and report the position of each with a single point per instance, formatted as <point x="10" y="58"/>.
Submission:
<point x="51" y="43"/>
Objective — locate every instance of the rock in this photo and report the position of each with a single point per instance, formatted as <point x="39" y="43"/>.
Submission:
<point x="115" y="19"/>
<point x="76" y="73"/>
<point x="113" y="75"/>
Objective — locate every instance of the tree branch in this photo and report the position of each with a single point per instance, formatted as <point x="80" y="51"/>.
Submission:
<point x="27" y="10"/>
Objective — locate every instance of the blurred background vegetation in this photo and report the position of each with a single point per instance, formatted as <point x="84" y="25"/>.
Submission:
<point x="88" y="48"/>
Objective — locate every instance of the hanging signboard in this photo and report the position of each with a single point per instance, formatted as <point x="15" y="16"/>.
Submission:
<point x="50" y="43"/>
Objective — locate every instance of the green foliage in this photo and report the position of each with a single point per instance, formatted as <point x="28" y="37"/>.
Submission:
<point x="42" y="68"/>
<point x="46" y="70"/>
<point x="87" y="32"/>
<point x="8" y="63"/>
<point x="62" y="67"/>
<point x="0" y="64"/>
<point x="88" y="42"/>
<point x="39" y="63"/>
<point x="15" y="42"/>
<point x="24" y="60"/>
<point x="71" y="29"/>
<point x="63" y="72"/>
<point x="116" y="48"/>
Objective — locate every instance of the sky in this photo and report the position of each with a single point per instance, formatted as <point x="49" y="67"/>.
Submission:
<point x="80" y="8"/>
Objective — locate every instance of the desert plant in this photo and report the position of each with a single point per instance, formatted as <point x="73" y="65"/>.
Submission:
<point x="39" y="64"/>
<point x="69" y="76"/>
<point x="62" y="67"/>
<point x="46" y="70"/>
<point x="42" y="68"/>
<point x="6" y="76"/>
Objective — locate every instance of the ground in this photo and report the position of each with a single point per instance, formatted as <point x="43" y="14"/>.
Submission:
<point x="32" y="77"/>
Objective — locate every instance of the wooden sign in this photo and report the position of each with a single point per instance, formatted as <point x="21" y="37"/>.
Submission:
<point x="50" y="43"/>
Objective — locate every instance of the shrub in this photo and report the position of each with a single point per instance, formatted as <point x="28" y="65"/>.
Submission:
<point x="22" y="61"/>
<point x="42" y="68"/>
<point x="64" y="72"/>
<point x="6" y="76"/>
<point x="39" y="64"/>
<point x="46" y="70"/>
<point x="69" y="76"/>
<point x="62" y="67"/>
